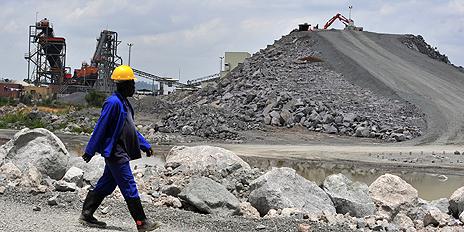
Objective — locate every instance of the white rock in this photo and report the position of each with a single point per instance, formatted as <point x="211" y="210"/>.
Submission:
<point x="31" y="178"/>
<point x="292" y="212"/>
<point x="202" y="158"/>
<point x="392" y="193"/>
<point x="272" y="213"/>
<point x="248" y="211"/>
<point x="168" y="201"/>
<point x="63" y="186"/>
<point x="11" y="171"/>
<point x="74" y="175"/>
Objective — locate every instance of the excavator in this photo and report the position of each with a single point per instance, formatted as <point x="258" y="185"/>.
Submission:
<point x="349" y="23"/>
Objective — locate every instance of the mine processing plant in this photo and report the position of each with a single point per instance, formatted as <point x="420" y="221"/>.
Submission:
<point x="97" y="75"/>
<point x="47" y="63"/>
<point x="46" y="57"/>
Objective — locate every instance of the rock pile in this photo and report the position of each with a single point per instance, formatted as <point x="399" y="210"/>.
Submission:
<point x="72" y="121"/>
<point x="418" y="43"/>
<point x="284" y="86"/>
<point x="227" y="186"/>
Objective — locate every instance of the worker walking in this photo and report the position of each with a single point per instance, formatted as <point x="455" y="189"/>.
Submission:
<point x="118" y="141"/>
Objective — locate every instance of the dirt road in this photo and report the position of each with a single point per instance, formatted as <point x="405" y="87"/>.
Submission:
<point x="381" y="62"/>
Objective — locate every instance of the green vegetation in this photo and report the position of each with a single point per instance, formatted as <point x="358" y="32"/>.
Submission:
<point x="79" y="130"/>
<point x="20" y="118"/>
<point x="95" y="98"/>
<point x="6" y="101"/>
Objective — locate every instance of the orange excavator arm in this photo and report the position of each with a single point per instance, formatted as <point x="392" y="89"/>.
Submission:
<point x="338" y="16"/>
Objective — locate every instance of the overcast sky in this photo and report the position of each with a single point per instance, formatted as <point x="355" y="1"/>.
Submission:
<point x="190" y="36"/>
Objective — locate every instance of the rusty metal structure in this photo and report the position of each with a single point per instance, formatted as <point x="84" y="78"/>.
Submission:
<point x="46" y="57"/>
<point x="47" y="63"/>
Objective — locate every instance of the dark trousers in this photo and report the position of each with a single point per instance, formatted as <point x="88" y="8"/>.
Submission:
<point x="117" y="175"/>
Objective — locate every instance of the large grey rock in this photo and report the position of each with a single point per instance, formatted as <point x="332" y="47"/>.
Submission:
<point x="391" y="193"/>
<point x="348" y="196"/>
<point x="204" y="158"/>
<point x="93" y="170"/>
<point x="456" y="202"/>
<point x="210" y="197"/>
<point x="37" y="147"/>
<point x="282" y="188"/>
<point x="74" y="175"/>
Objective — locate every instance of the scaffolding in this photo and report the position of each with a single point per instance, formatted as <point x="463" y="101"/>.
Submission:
<point x="106" y="59"/>
<point x="46" y="57"/>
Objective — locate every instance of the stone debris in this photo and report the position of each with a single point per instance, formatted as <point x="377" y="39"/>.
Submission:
<point x="278" y="87"/>
<point x="10" y="170"/>
<point x="435" y="217"/>
<point x="200" y="158"/>
<point x="105" y="210"/>
<point x="418" y="43"/>
<point x="31" y="178"/>
<point x="456" y="202"/>
<point x="210" y="197"/>
<point x="39" y="148"/>
<point x="74" y="175"/>
<point x="403" y="222"/>
<point x="248" y="211"/>
<point x="169" y="201"/>
<point x="282" y="188"/>
<point x="349" y="197"/>
<point x="63" y="186"/>
<point x="442" y="204"/>
<point x="53" y="200"/>
<point x="304" y="228"/>
<point x="279" y="193"/>
<point x="392" y="194"/>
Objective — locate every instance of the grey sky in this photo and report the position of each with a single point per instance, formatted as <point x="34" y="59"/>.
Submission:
<point x="191" y="35"/>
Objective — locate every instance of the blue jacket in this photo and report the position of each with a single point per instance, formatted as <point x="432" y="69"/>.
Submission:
<point x="109" y="126"/>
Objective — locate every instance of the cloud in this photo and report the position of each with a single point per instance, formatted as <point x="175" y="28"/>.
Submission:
<point x="192" y="34"/>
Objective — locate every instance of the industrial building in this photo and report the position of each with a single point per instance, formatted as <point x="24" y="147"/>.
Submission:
<point x="46" y="59"/>
<point x="232" y="60"/>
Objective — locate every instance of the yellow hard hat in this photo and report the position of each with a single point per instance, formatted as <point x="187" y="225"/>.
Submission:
<point x="123" y="73"/>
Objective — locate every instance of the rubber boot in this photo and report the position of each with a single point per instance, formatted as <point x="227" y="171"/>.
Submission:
<point x="137" y="213"/>
<point x="91" y="204"/>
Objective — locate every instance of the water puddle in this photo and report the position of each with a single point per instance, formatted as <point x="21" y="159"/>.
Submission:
<point x="430" y="186"/>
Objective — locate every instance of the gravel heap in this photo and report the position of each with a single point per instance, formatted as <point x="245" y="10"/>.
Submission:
<point x="287" y="85"/>
<point x="418" y="43"/>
